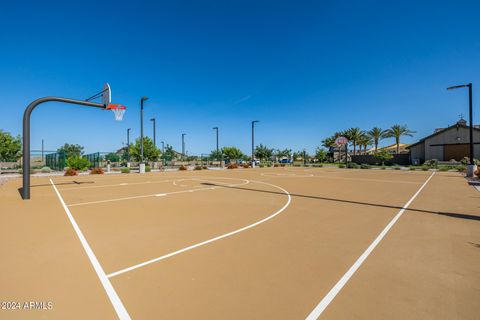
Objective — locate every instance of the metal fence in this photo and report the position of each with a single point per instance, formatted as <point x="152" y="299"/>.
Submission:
<point x="56" y="161"/>
<point x="95" y="160"/>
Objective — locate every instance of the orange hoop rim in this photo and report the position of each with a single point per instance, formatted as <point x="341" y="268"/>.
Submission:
<point x="115" y="106"/>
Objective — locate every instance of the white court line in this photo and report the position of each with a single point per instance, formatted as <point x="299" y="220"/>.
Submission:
<point x="113" y="274"/>
<point x="112" y="294"/>
<point x="115" y="185"/>
<point x="341" y="283"/>
<point x="152" y="195"/>
<point x="366" y="179"/>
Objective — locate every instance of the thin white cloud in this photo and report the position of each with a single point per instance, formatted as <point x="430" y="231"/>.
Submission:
<point x="242" y="99"/>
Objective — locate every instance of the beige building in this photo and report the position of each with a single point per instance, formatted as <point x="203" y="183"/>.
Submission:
<point x="446" y="144"/>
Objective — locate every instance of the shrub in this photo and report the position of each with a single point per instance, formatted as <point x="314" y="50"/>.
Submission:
<point x="125" y="170"/>
<point x="46" y="170"/>
<point x="148" y="168"/>
<point x="433" y="163"/>
<point x="341" y="165"/>
<point x="425" y="168"/>
<point x="396" y="168"/>
<point x="77" y="163"/>
<point x="246" y="166"/>
<point x="282" y="165"/>
<point x="205" y="168"/>
<point x="197" y="168"/>
<point x="364" y="166"/>
<point x="353" y="165"/>
<point x="262" y="166"/>
<point x="71" y="172"/>
<point x="413" y="168"/>
<point x="276" y="165"/>
<point x="443" y="168"/>
<point x="461" y="168"/>
<point x="465" y="161"/>
<point x="383" y="156"/>
<point x="182" y="168"/>
<point x="97" y="171"/>
<point x="232" y="166"/>
<point x="383" y="168"/>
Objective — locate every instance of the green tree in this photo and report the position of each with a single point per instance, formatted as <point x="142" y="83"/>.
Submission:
<point x="301" y="155"/>
<point x="169" y="153"/>
<point x="77" y="162"/>
<point x="285" y="153"/>
<point x="353" y="135"/>
<point x="329" y="142"/>
<point x="10" y="147"/>
<point x="150" y="151"/>
<point x="263" y="152"/>
<point x="364" y="142"/>
<point x="112" y="157"/>
<point x="321" y="154"/>
<point x="397" y="131"/>
<point x="232" y="153"/>
<point x="376" y="134"/>
<point x="71" y="150"/>
<point x="383" y="155"/>
<point x="216" y="155"/>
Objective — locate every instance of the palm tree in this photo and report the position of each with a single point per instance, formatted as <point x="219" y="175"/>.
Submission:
<point x="354" y="134"/>
<point x="364" y="141"/>
<point x="396" y="131"/>
<point x="376" y="134"/>
<point x="328" y="142"/>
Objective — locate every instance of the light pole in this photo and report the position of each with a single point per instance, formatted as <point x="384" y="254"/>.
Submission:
<point x="471" y="166"/>
<point x="142" y="164"/>
<point x="216" y="129"/>
<point x="183" y="145"/>
<point x="253" y="142"/>
<point x="128" y="144"/>
<point x="154" y="133"/>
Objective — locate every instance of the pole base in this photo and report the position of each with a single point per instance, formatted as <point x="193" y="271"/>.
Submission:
<point x="142" y="167"/>
<point x="471" y="169"/>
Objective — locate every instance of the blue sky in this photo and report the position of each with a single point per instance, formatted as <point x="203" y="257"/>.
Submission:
<point x="305" y="69"/>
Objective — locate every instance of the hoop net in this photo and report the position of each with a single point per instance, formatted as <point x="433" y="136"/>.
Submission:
<point x="118" y="111"/>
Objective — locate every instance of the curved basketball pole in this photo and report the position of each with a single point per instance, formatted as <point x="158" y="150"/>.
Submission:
<point x="25" y="192"/>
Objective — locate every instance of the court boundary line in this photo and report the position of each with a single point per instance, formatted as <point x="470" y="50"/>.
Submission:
<point x="117" y="304"/>
<point x="228" y="234"/>
<point x="156" y="194"/>
<point x="122" y="184"/>
<point x="328" y="298"/>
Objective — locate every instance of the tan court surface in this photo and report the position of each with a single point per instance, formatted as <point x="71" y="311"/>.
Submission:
<point x="280" y="239"/>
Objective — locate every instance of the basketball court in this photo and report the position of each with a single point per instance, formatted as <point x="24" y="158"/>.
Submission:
<point x="276" y="243"/>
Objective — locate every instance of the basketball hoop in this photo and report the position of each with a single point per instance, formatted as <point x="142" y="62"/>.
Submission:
<point x="106" y="94"/>
<point x="118" y="110"/>
<point x="340" y="141"/>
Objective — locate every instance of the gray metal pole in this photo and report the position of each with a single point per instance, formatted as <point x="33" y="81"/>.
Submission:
<point x="154" y="133"/>
<point x="183" y="145"/>
<point x="43" y="151"/>
<point x="216" y="129"/>
<point x="128" y="144"/>
<point x="253" y="141"/>
<point x="26" y="135"/>
<point x="141" y="130"/>
<point x="470" y="111"/>
<point x="141" y="127"/>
